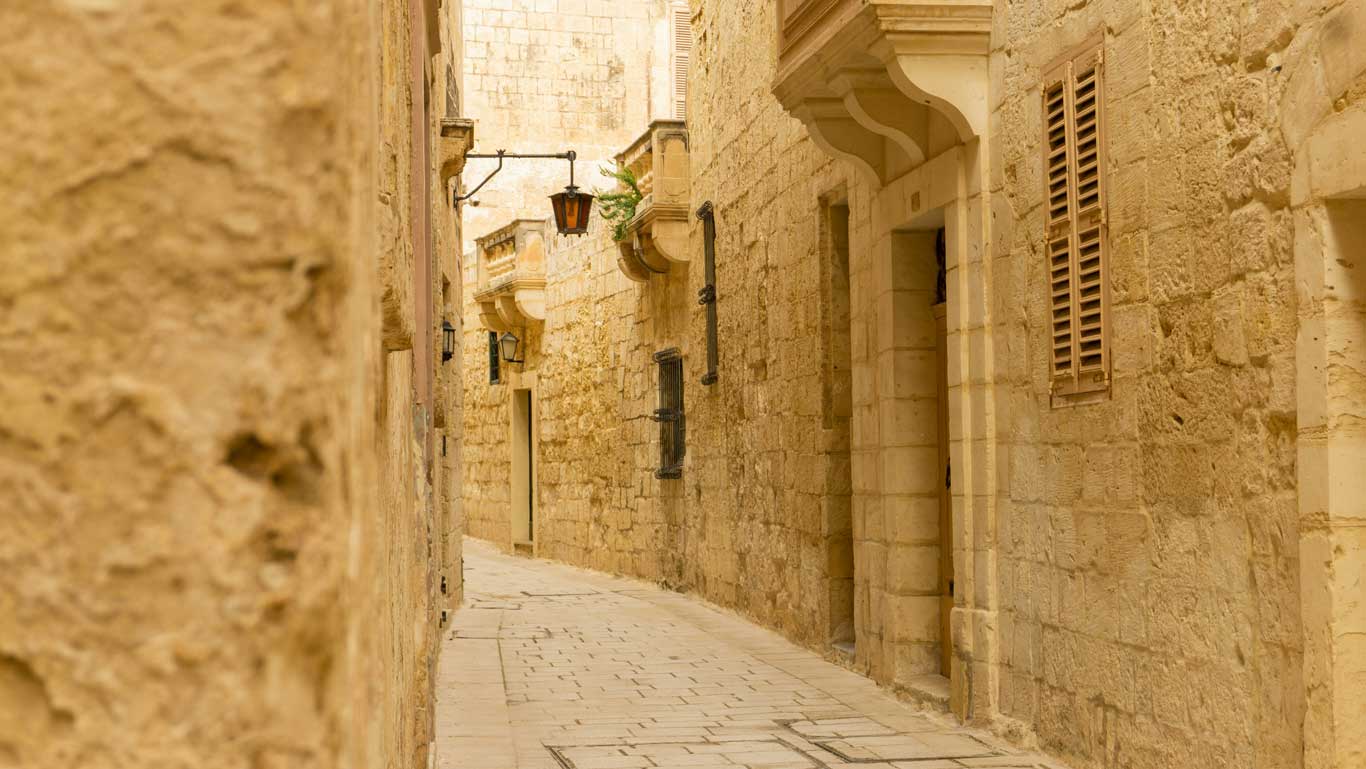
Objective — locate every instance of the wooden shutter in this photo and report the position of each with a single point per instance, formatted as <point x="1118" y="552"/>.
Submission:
<point x="681" y="52"/>
<point x="1075" y="237"/>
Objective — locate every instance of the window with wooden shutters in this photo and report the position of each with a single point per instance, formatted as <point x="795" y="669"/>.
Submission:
<point x="680" y="28"/>
<point x="669" y="415"/>
<point x="1075" y="241"/>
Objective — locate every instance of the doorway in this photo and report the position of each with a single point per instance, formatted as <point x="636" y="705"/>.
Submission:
<point x="523" y="445"/>
<point x="913" y="395"/>
<point x="836" y="413"/>
<point x="941" y="338"/>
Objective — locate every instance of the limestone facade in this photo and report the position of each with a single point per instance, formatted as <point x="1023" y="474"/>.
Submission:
<point x="1143" y="551"/>
<point x="229" y="436"/>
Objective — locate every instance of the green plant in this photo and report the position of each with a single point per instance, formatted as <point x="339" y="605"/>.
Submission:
<point x="619" y="206"/>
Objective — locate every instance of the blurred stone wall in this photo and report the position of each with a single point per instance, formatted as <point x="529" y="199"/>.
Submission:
<point x="219" y="531"/>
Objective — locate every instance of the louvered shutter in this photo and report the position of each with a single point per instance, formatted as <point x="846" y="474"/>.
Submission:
<point x="681" y="28"/>
<point x="1075" y="241"/>
<point x="1058" y="244"/>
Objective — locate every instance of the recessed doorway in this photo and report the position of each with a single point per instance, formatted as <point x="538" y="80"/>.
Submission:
<point x="917" y="476"/>
<point x="523" y="443"/>
<point x="836" y="413"/>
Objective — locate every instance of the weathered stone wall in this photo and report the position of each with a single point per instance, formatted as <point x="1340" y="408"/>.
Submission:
<point x="1149" y="566"/>
<point x="1145" y="581"/>
<point x="591" y="376"/>
<point x="743" y="526"/>
<point x="546" y="76"/>
<point x="218" y="532"/>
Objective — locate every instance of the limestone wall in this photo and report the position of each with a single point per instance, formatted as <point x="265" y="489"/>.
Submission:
<point x="1131" y="586"/>
<point x="743" y="526"/>
<point x="1150" y="572"/>
<point x="546" y="76"/>
<point x="218" y="525"/>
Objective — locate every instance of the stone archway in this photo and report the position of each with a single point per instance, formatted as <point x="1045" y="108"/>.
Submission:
<point x="1325" y="117"/>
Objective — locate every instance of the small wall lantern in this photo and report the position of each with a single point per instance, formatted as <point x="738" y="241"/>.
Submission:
<point x="447" y="341"/>
<point x="509" y="342"/>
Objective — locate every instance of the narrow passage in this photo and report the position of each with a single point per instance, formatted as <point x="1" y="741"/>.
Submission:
<point x="552" y="667"/>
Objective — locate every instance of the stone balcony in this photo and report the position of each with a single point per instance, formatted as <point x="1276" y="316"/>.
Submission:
<point x="873" y="79"/>
<point x="511" y="288"/>
<point x="657" y="236"/>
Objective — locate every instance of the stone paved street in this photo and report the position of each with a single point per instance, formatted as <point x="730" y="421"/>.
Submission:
<point x="551" y="667"/>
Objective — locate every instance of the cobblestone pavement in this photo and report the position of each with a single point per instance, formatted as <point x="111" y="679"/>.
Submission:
<point x="551" y="667"/>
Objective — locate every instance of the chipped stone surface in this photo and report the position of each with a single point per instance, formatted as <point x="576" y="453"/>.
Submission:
<point x="215" y="518"/>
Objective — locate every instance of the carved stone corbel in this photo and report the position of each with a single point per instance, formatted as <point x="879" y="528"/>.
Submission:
<point x="936" y="53"/>
<point x="834" y="130"/>
<point x="873" y="101"/>
<point x="457" y="137"/>
<point x="864" y="76"/>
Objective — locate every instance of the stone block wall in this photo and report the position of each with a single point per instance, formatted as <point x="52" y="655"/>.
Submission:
<point x="219" y="536"/>
<point x="545" y="76"/>
<point x="745" y="525"/>
<point x="1149" y="560"/>
<point x="1165" y="576"/>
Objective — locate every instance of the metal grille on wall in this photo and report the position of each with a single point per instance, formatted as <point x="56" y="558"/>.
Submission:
<point x="495" y="363"/>
<point x="669" y="415"/>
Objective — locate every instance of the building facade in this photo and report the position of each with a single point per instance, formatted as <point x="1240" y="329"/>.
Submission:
<point x="227" y="458"/>
<point x="1037" y="350"/>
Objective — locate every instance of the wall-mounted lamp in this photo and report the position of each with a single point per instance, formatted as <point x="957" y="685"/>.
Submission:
<point x="571" y="210"/>
<point x="571" y="207"/>
<point x="447" y="341"/>
<point x="508" y="342"/>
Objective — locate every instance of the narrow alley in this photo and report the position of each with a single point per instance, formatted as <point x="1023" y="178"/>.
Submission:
<point x="553" y="667"/>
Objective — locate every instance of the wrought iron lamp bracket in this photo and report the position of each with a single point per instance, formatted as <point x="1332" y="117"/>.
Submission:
<point x="502" y="155"/>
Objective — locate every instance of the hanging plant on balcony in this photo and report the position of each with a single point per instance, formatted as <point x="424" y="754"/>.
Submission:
<point x="619" y="206"/>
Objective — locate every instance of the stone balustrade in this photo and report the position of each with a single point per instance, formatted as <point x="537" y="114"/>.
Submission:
<point x="511" y="287"/>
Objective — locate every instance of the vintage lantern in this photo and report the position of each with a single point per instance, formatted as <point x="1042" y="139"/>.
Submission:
<point x="509" y="342"/>
<point x="571" y="210"/>
<point x="447" y="341"/>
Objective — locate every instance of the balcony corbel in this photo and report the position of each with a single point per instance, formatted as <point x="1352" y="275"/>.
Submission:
<point x="457" y="137"/>
<point x="875" y="103"/>
<point x="937" y="54"/>
<point x="834" y="130"/>
<point x="511" y="288"/>
<point x="866" y="76"/>
<point x="657" y="236"/>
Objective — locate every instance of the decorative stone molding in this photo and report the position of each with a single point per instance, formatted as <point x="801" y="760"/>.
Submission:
<point x="511" y="287"/>
<point x="657" y="237"/>
<point x="457" y="137"/>
<point x="862" y="76"/>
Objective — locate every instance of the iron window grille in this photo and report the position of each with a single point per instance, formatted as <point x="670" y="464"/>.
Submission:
<point x="669" y="415"/>
<point x="495" y="361"/>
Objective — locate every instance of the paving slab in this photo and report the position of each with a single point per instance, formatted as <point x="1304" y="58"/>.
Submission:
<point x="551" y="667"/>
